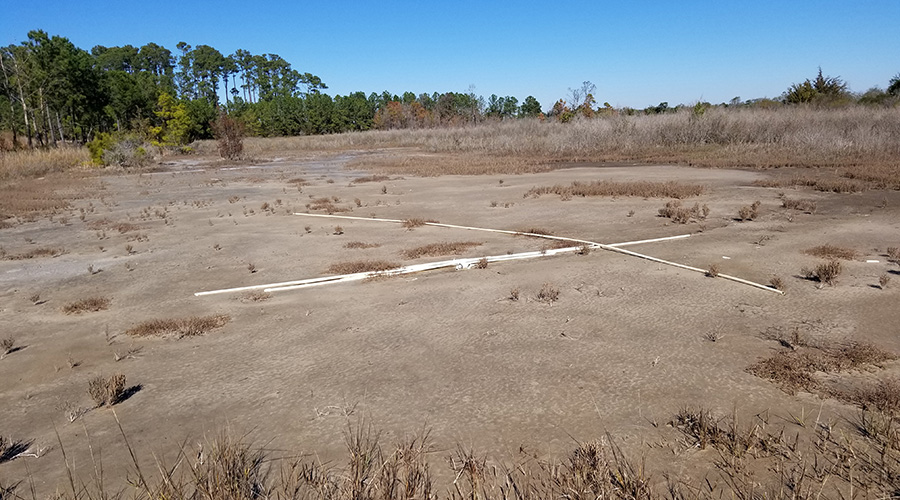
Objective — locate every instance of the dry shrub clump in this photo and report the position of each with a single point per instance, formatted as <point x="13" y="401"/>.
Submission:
<point x="548" y="293"/>
<point x="229" y="134"/>
<point x="32" y="254"/>
<point x="6" y="345"/>
<point x="107" y="391"/>
<point x="180" y="327"/>
<point x="777" y="283"/>
<point x="808" y="206"/>
<point x="90" y="304"/>
<point x="893" y="254"/>
<point x="444" y="248"/>
<point x="361" y="266"/>
<point x="824" y="272"/>
<point x="643" y="189"/>
<point x="681" y="215"/>
<point x="829" y="251"/>
<point x="361" y="245"/>
<point x="416" y="222"/>
<point x="749" y="212"/>
<point x="327" y="205"/>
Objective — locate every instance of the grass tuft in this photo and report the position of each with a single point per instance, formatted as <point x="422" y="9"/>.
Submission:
<point x="107" y="391"/>
<point x="90" y="304"/>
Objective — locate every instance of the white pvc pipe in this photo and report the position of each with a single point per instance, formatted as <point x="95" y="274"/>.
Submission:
<point x="463" y="263"/>
<point x="610" y="248"/>
<point x="654" y="240"/>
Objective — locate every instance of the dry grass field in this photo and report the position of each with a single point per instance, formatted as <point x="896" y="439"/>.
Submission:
<point x="582" y="375"/>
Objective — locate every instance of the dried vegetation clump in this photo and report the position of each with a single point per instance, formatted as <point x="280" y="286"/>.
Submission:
<point x="444" y="248"/>
<point x="255" y="296"/>
<point x="180" y="327"/>
<point x="893" y="255"/>
<point x="824" y="272"/>
<point x="416" y="222"/>
<point x="643" y="189"/>
<point x="548" y="293"/>
<point x="829" y="251"/>
<point x="361" y="266"/>
<point x="527" y="231"/>
<point x="7" y="345"/>
<point x="90" y="304"/>
<point x="749" y="212"/>
<point x="327" y="205"/>
<point x="808" y="206"/>
<point x="106" y="391"/>
<point x="682" y="215"/>
<point x="229" y="134"/>
<point x="370" y="178"/>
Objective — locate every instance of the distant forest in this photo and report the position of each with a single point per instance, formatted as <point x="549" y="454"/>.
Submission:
<point x="51" y="90"/>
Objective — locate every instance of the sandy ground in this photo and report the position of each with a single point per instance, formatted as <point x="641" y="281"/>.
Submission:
<point x="622" y="349"/>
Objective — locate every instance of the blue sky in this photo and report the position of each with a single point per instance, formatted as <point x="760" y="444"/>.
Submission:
<point x="637" y="52"/>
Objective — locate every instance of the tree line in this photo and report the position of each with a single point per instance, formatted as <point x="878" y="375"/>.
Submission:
<point x="52" y="91"/>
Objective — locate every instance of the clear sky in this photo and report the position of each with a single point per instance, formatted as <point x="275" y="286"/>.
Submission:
<point x="637" y="52"/>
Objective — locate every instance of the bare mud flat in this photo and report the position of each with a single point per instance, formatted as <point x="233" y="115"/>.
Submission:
<point x="625" y="346"/>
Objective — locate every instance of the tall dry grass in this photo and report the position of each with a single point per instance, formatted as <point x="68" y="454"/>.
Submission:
<point x="38" y="162"/>
<point x="864" y="141"/>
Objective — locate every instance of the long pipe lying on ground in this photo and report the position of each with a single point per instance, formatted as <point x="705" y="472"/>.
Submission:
<point x="611" y="248"/>
<point x="471" y="262"/>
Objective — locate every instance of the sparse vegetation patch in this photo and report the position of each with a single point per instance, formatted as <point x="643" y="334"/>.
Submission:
<point x="361" y="245"/>
<point x="444" y="248"/>
<point x="829" y="251"/>
<point x="361" y="266"/>
<point x="370" y="178"/>
<point x="643" y="189"/>
<point x="794" y="369"/>
<point x="179" y="328"/>
<point x="33" y="254"/>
